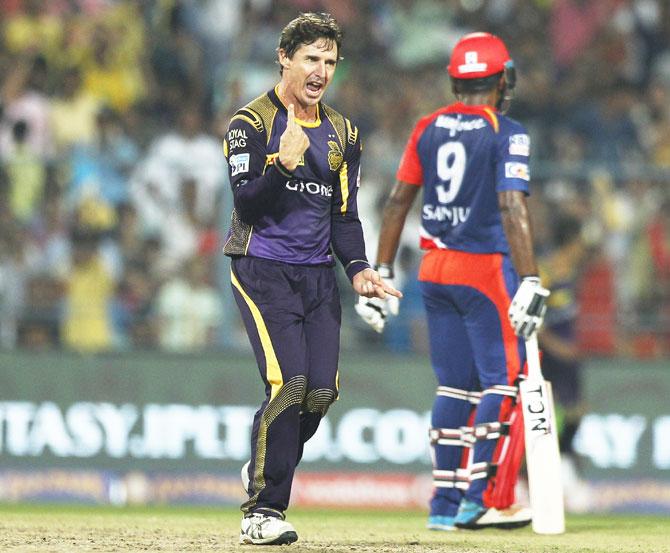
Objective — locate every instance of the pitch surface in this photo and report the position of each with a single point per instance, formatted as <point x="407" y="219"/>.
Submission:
<point x="57" y="528"/>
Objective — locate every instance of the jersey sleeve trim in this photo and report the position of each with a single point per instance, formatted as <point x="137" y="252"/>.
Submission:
<point x="493" y="119"/>
<point x="410" y="169"/>
<point x="344" y="186"/>
<point x="338" y="122"/>
<point x="249" y="117"/>
<point x="262" y="112"/>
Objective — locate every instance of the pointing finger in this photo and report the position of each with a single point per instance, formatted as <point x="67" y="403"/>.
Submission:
<point x="392" y="291"/>
<point x="290" y="122"/>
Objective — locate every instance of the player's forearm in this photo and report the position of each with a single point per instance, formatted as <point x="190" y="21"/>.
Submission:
<point x="257" y="194"/>
<point x="516" y="222"/>
<point x="348" y="243"/>
<point x="393" y="221"/>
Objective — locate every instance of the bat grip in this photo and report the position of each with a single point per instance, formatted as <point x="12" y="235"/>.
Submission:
<point x="533" y="358"/>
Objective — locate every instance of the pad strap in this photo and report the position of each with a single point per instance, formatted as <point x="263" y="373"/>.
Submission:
<point x="450" y="436"/>
<point x="487" y="431"/>
<point x="456" y="393"/>
<point x="458" y="478"/>
<point x="501" y="390"/>
<point x="482" y="470"/>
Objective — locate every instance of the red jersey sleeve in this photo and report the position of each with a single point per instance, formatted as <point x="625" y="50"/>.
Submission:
<point x="410" y="170"/>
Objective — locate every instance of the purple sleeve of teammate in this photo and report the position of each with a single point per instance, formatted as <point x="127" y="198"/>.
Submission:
<point x="346" y="230"/>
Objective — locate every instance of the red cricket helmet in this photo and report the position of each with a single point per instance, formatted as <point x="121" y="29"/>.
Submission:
<point x="478" y="55"/>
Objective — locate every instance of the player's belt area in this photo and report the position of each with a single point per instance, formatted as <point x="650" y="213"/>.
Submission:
<point x="461" y="268"/>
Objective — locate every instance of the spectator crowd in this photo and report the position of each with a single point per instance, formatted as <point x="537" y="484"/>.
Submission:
<point x="113" y="185"/>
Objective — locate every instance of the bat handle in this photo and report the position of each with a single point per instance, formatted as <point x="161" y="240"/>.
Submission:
<point x="533" y="358"/>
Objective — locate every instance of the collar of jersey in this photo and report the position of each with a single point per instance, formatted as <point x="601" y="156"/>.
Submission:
<point x="300" y="122"/>
<point x="484" y="110"/>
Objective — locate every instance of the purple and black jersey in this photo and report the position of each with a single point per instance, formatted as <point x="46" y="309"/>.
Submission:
<point x="300" y="220"/>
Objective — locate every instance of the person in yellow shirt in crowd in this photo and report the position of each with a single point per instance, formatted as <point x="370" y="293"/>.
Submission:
<point x="86" y="325"/>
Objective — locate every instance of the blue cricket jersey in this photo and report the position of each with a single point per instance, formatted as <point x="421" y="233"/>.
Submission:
<point x="463" y="156"/>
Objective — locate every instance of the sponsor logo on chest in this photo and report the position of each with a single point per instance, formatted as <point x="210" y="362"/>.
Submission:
<point x="312" y="188"/>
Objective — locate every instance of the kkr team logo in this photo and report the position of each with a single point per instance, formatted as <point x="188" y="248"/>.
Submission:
<point x="335" y="156"/>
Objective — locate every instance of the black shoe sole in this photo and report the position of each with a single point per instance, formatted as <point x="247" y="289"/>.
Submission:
<point x="513" y="525"/>
<point x="499" y="526"/>
<point x="285" y="539"/>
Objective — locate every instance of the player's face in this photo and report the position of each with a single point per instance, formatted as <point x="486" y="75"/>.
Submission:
<point x="308" y="73"/>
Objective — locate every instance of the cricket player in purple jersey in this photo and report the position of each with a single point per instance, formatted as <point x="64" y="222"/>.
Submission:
<point x="294" y="169"/>
<point x="477" y="276"/>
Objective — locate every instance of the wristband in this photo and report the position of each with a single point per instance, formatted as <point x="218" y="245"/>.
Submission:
<point x="283" y="170"/>
<point x="385" y="270"/>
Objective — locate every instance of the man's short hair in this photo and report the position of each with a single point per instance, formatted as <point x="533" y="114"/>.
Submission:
<point x="307" y="28"/>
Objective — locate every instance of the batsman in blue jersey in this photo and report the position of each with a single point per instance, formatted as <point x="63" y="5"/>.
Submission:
<point x="294" y="169"/>
<point x="479" y="282"/>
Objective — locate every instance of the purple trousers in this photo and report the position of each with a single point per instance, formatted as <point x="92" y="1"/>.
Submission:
<point x="292" y="316"/>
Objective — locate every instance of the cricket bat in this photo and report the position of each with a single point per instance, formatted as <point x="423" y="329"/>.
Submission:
<point x="543" y="459"/>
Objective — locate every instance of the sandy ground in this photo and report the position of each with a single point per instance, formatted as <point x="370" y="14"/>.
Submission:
<point x="73" y="530"/>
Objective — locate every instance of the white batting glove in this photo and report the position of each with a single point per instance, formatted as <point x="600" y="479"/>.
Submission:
<point x="526" y="313"/>
<point x="374" y="311"/>
<point x="391" y="303"/>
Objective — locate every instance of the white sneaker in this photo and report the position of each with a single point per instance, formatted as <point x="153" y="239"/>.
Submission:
<point x="244" y="474"/>
<point x="515" y="516"/>
<point x="259" y="529"/>
<point x="473" y="516"/>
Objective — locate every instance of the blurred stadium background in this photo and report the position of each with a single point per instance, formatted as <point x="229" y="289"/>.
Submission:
<point x="125" y="376"/>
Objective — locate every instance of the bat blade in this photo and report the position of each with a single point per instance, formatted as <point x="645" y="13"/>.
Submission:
<point x="543" y="459"/>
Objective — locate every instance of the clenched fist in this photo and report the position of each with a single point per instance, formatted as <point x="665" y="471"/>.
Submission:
<point x="293" y="142"/>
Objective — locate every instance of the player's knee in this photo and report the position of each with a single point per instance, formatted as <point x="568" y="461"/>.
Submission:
<point x="318" y="401"/>
<point x="290" y="393"/>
